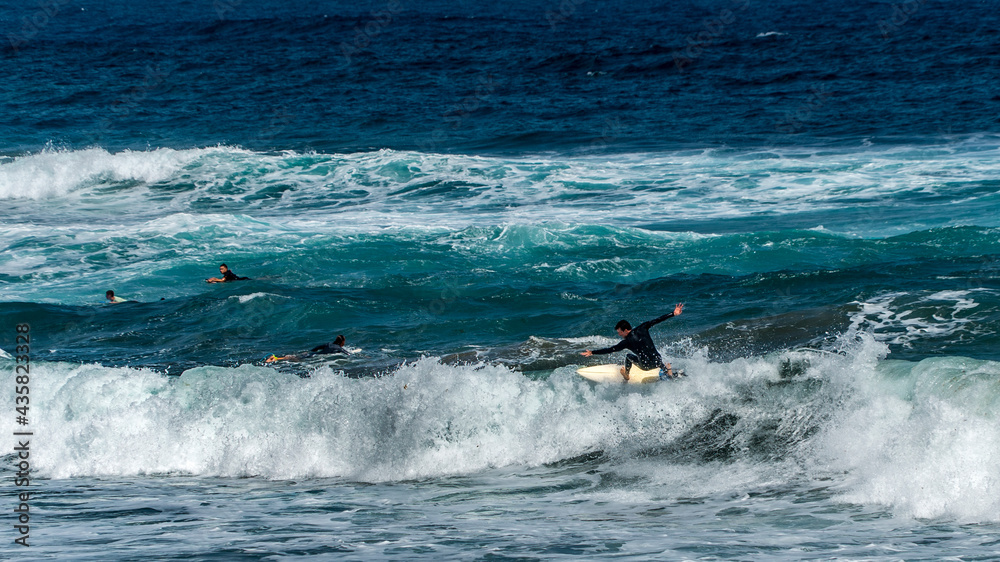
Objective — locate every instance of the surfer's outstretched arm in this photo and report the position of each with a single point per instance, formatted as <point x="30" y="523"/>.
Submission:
<point x="617" y="347"/>
<point x="677" y="311"/>
<point x="274" y="358"/>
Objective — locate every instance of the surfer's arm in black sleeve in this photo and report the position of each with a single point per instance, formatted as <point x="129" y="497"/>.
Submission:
<point x="655" y="321"/>
<point x="617" y="347"/>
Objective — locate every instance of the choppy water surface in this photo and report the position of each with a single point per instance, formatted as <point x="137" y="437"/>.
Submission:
<point x="472" y="199"/>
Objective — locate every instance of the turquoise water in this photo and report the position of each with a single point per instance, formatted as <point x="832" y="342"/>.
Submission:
<point x="839" y="332"/>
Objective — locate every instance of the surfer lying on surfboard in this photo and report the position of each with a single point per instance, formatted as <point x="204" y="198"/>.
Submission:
<point x="227" y="276"/>
<point x="638" y="341"/>
<point x="336" y="347"/>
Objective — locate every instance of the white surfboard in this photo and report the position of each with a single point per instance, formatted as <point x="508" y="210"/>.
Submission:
<point x="613" y="374"/>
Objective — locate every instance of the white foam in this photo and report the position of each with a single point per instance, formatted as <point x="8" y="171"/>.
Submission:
<point x="901" y="318"/>
<point x="57" y="173"/>
<point x="916" y="438"/>
<point x="921" y="440"/>
<point x="425" y="420"/>
<point x="247" y="298"/>
<point x="401" y="188"/>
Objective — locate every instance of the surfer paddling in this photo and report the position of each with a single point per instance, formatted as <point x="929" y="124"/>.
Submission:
<point x="336" y="347"/>
<point x="638" y="341"/>
<point x="110" y="295"/>
<point x="227" y="276"/>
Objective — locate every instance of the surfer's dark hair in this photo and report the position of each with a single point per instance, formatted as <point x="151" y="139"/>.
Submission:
<point x="623" y="325"/>
<point x="341" y="340"/>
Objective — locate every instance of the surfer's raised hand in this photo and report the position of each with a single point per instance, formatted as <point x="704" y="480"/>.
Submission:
<point x="678" y="309"/>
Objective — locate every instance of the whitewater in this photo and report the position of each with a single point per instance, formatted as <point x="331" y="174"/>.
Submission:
<point x="839" y="333"/>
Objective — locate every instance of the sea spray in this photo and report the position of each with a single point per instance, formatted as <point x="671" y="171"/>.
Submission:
<point x="428" y="419"/>
<point x="921" y="438"/>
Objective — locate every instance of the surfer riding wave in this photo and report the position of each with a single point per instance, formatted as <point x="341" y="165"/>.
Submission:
<point x="638" y="340"/>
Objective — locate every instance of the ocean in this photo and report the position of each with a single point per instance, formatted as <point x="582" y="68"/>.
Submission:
<point x="473" y="194"/>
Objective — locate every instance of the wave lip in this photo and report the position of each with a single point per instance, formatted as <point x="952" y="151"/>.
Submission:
<point x="921" y="439"/>
<point x="916" y="438"/>
<point x="52" y="174"/>
<point x="426" y="420"/>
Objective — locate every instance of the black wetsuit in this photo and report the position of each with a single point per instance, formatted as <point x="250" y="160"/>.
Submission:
<point x="638" y="341"/>
<point x="327" y="348"/>
<point x="230" y="276"/>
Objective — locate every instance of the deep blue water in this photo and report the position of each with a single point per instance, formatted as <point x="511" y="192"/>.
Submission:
<point x="495" y="77"/>
<point x="473" y="193"/>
